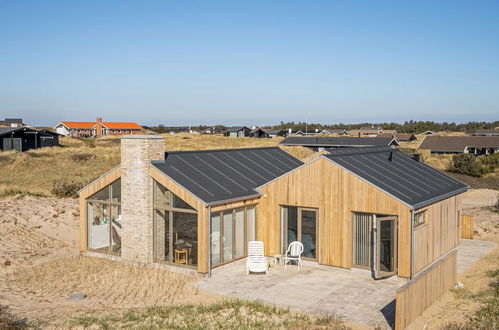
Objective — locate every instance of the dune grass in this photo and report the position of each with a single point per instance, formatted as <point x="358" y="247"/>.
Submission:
<point x="82" y="160"/>
<point x="226" y="314"/>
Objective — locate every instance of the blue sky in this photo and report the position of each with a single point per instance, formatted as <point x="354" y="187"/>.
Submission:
<point x="249" y="62"/>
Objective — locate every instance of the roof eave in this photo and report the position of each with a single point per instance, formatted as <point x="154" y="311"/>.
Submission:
<point x="440" y="198"/>
<point x="232" y="200"/>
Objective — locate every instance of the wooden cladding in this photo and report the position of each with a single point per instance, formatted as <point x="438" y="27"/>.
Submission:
<point x="439" y="234"/>
<point x="362" y="239"/>
<point x="336" y="194"/>
<point x="467" y="226"/>
<point x="424" y="289"/>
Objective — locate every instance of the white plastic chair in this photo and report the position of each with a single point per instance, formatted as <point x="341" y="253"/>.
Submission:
<point x="294" y="252"/>
<point x="256" y="261"/>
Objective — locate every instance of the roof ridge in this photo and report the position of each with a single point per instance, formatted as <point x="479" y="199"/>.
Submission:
<point x="333" y="152"/>
<point x="221" y="149"/>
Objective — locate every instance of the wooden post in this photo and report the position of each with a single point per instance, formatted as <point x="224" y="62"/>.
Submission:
<point x="467" y="226"/>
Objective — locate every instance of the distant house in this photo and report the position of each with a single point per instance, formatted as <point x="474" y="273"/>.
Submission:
<point x="370" y="131"/>
<point x="485" y="132"/>
<point x="322" y="143"/>
<point x="428" y="133"/>
<point x="401" y="137"/>
<point x="266" y="133"/>
<point x="335" y="131"/>
<point x="12" y="122"/>
<point x="24" y="138"/>
<point x="237" y="131"/>
<point x="97" y="128"/>
<point x="478" y="145"/>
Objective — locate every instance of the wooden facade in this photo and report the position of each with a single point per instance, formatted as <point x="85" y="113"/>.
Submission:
<point x="439" y="234"/>
<point x="336" y="194"/>
<point x="423" y="290"/>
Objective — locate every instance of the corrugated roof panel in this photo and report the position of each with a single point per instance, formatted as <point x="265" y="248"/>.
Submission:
<point x="413" y="182"/>
<point x="219" y="175"/>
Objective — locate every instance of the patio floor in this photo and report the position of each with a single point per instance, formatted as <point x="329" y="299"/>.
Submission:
<point x="317" y="289"/>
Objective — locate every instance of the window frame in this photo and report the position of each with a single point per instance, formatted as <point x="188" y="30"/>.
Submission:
<point x="425" y="218"/>
<point x="169" y="210"/>
<point x="109" y="203"/>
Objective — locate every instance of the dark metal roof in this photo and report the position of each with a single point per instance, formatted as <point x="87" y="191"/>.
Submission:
<point x="215" y="176"/>
<point x="458" y="143"/>
<point x="332" y="142"/>
<point x="8" y="130"/>
<point x="406" y="179"/>
<point x="235" y="128"/>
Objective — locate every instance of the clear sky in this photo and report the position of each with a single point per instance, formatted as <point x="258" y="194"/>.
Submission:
<point x="249" y="62"/>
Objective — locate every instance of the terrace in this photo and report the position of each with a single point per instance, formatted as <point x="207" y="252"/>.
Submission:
<point x="317" y="289"/>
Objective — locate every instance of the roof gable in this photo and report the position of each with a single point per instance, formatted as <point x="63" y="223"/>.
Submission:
<point x="215" y="176"/>
<point x="339" y="141"/>
<point x="414" y="183"/>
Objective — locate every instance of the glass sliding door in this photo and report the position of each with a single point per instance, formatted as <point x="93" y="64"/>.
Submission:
<point x="386" y="243"/>
<point x="299" y="224"/>
<point x="216" y="257"/>
<point x="229" y="234"/>
<point x="239" y="234"/>
<point x="309" y="232"/>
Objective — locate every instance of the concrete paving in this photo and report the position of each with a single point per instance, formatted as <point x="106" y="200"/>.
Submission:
<point x="470" y="251"/>
<point x="353" y="294"/>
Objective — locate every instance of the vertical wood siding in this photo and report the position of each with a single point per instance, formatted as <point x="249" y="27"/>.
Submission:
<point x="336" y="193"/>
<point x="439" y="234"/>
<point x="467" y="226"/>
<point x="423" y="290"/>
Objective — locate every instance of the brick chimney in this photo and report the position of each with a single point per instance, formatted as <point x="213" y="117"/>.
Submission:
<point x="98" y="127"/>
<point x="137" y="152"/>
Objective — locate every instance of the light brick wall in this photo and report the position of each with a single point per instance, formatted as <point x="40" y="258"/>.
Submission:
<point x="137" y="151"/>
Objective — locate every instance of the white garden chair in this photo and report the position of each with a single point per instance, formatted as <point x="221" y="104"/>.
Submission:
<point x="256" y="261"/>
<point x="294" y="252"/>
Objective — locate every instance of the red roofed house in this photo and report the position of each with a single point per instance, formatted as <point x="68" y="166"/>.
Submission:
<point x="97" y="128"/>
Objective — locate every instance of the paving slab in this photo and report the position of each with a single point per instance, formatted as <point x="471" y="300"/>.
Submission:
<point x="353" y="294"/>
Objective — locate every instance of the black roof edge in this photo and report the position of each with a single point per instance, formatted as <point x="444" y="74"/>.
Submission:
<point x="439" y="198"/>
<point x="235" y="199"/>
<point x="222" y="149"/>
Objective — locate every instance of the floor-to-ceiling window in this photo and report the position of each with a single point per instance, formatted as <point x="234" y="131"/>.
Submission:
<point x="104" y="220"/>
<point x="175" y="228"/>
<point x="299" y="224"/>
<point x="229" y="234"/>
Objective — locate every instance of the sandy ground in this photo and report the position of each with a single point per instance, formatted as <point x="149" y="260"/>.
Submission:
<point x="40" y="267"/>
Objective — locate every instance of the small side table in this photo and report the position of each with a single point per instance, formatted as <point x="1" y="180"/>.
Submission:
<point x="181" y="256"/>
<point x="278" y="258"/>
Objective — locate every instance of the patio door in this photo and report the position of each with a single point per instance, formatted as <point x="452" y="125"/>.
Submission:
<point x="386" y="246"/>
<point x="299" y="224"/>
<point x="375" y="243"/>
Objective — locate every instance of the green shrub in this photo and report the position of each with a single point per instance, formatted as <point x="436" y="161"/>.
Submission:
<point x="66" y="188"/>
<point x="472" y="165"/>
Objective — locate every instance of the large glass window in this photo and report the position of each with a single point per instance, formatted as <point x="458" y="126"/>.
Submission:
<point x="299" y="224"/>
<point x="230" y="232"/>
<point x="104" y="220"/>
<point x="175" y="228"/>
